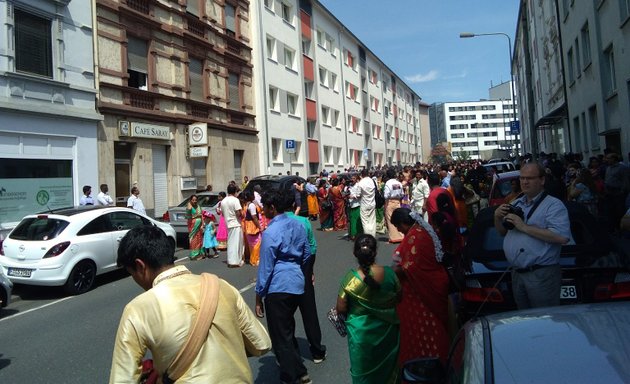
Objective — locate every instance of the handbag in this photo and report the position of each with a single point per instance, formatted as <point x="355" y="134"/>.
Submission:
<point x="197" y="336"/>
<point x="326" y="205"/>
<point x="338" y="321"/>
<point x="378" y="197"/>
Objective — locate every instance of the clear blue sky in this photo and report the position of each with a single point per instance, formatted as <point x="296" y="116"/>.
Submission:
<point x="419" y="40"/>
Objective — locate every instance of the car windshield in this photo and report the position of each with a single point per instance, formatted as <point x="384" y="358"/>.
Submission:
<point x="503" y="188"/>
<point x="38" y="228"/>
<point x="203" y="200"/>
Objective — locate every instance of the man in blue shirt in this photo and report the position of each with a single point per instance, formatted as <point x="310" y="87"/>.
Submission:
<point x="307" y="305"/>
<point x="284" y="255"/>
<point x="533" y="244"/>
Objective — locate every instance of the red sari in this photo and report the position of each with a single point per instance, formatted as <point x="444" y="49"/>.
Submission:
<point x="423" y="311"/>
<point x="339" y="209"/>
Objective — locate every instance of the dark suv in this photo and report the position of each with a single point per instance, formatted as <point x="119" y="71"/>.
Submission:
<point x="281" y="183"/>
<point x="594" y="267"/>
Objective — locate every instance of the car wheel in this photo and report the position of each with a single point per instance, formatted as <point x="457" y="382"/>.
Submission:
<point x="81" y="278"/>
<point x="3" y="297"/>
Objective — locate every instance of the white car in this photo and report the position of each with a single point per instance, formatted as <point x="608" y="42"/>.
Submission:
<point x="69" y="247"/>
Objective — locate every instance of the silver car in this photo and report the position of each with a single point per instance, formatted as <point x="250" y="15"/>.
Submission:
<point x="177" y="216"/>
<point x="70" y="247"/>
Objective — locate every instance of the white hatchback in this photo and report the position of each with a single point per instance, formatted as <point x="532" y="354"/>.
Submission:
<point x="69" y="247"/>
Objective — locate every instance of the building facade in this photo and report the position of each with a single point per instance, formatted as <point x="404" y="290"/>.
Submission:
<point x="323" y="99"/>
<point x="48" y="120"/>
<point x="574" y="58"/>
<point x="175" y="88"/>
<point x="473" y="129"/>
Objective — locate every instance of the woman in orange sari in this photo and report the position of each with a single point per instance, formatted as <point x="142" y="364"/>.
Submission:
<point x="423" y="311"/>
<point x="251" y="228"/>
<point x="339" y="206"/>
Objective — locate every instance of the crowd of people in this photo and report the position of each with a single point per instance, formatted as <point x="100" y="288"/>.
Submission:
<point x="393" y="312"/>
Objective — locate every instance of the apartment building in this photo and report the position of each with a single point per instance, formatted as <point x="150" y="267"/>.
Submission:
<point x="473" y="129"/>
<point x="585" y="106"/>
<point x="48" y="120"/>
<point x="176" y="91"/>
<point x="323" y="99"/>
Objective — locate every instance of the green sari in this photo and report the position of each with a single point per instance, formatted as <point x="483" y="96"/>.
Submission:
<point x="373" y="328"/>
<point x="195" y="233"/>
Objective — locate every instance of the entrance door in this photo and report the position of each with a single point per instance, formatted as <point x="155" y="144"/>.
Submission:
<point x="160" y="189"/>
<point x="123" y="186"/>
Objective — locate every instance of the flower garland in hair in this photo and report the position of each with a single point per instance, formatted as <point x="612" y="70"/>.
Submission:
<point x="439" y="254"/>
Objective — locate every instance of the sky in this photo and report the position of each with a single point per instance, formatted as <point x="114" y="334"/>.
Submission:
<point x="419" y="41"/>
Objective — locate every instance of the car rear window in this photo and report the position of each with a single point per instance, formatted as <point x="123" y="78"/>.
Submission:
<point x="38" y="228"/>
<point x="203" y="201"/>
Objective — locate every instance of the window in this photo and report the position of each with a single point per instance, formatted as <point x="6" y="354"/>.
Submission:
<point x="608" y="66"/>
<point x="269" y="5"/>
<point x="325" y="115"/>
<point x="306" y="47"/>
<point x="33" y="44"/>
<point x="289" y="58"/>
<point x="333" y="82"/>
<point x="320" y="38"/>
<point x="350" y="60"/>
<point x="593" y="126"/>
<point x="624" y="10"/>
<point x="586" y="45"/>
<point x="310" y="129"/>
<point x="571" y="70"/>
<point x="195" y="79"/>
<point x="234" y="91"/>
<point x="137" y="67"/>
<point x="335" y="118"/>
<point x="578" y="58"/>
<point x="323" y="77"/>
<point x="351" y="91"/>
<point x="192" y="7"/>
<point x="584" y="132"/>
<point x="230" y="24"/>
<point x="276" y="150"/>
<point x="274" y="103"/>
<point x="330" y="45"/>
<point x="292" y="103"/>
<point x="353" y="123"/>
<point x="308" y="89"/>
<point x="271" y="49"/>
<point x="286" y="13"/>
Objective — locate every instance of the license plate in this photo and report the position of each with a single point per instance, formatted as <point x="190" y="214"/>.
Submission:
<point x="19" y="272"/>
<point x="568" y="292"/>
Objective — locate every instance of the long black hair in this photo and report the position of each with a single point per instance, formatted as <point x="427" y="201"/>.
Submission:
<point x="365" y="252"/>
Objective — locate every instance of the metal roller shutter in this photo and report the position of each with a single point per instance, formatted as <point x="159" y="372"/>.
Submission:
<point x="160" y="188"/>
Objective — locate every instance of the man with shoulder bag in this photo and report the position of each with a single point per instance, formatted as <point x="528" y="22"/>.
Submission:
<point x="198" y="328"/>
<point x="535" y="226"/>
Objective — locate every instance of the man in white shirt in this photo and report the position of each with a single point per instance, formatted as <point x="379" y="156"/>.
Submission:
<point x="365" y="191"/>
<point x="419" y="192"/>
<point x="103" y="197"/>
<point x="232" y="212"/>
<point x="86" y="199"/>
<point x="134" y="201"/>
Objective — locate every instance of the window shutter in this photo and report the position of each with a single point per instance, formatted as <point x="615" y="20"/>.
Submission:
<point x="192" y="7"/>
<point x="137" y="55"/>
<point x="230" y="13"/>
<point x="195" y="73"/>
<point x="235" y="97"/>
<point x="33" y="45"/>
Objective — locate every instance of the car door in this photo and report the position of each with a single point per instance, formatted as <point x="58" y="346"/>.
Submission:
<point x="96" y="242"/>
<point x="121" y="222"/>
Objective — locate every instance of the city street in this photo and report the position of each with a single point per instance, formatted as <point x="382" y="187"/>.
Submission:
<point x="47" y="337"/>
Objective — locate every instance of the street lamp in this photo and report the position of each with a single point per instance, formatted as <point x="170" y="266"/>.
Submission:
<point x="466" y="35"/>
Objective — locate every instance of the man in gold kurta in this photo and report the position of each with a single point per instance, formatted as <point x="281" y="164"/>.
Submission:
<point x="160" y="318"/>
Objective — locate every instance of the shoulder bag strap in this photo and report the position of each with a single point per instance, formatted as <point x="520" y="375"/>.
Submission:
<point x="198" y="335"/>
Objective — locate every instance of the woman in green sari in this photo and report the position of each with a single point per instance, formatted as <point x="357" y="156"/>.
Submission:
<point x="195" y="228"/>
<point x="368" y="298"/>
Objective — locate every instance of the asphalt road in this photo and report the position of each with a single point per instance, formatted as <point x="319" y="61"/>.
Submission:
<point x="48" y="337"/>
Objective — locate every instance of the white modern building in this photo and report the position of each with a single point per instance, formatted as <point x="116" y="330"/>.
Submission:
<point x="323" y="99"/>
<point x="571" y="60"/>
<point x="48" y="119"/>
<point x="475" y="128"/>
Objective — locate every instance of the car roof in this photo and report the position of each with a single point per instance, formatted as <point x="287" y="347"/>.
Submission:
<point x="71" y="211"/>
<point x="585" y="343"/>
<point x="508" y="175"/>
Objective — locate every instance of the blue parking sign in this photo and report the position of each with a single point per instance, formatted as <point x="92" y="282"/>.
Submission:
<point x="289" y="146"/>
<point x="515" y="127"/>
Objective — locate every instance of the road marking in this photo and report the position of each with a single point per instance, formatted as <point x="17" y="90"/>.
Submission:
<point x="37" y="308"/>
<point x="247" y="287"/>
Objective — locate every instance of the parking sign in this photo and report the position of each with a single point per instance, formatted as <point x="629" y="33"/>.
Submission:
<point x="289" y="145"/>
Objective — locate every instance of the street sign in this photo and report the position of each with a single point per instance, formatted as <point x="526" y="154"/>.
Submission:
<point x="515" y="127"/>
<point x="289" y="146"/>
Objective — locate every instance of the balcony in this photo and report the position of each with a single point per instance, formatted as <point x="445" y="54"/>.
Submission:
<point x="141" y="100"/>
<point x="311" y="110"/>
<point x="141" y="6"/>
<point x="313" y="151"/>
<point x="199" y="111"/>
<point x="196" y="27"/>
<point x="309" y="72"/>
<point x="305" y="20"/>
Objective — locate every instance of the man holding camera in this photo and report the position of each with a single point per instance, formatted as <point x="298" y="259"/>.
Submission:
<point x="535" y="226"/>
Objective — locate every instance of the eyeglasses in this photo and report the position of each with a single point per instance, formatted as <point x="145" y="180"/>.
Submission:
<point x="523" y="178"/>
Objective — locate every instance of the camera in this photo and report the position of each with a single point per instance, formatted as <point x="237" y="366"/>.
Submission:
<point x="515" y="210"/>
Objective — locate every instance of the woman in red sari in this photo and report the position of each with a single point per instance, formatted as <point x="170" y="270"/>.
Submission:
<point x="339" y="206"/>
<point x="423" y="311"/>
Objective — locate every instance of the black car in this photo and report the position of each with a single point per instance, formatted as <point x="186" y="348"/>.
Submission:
<point x="593" y="268"/>
<point x="281" y="183"/>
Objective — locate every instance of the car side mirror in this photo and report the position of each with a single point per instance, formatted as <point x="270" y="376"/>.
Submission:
<point x="424" y="370"/>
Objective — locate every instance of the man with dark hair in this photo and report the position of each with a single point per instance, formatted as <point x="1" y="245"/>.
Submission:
<point x="161" y="318"/>
<point x="86" y="199"/>
<point x="134" y="201"/>
<point x="233" y="214"/>
<point x="534" y="239"/>
<point x="431" y="206"/>
<point x="103" y="197"/>
<point x="284" y="254"/>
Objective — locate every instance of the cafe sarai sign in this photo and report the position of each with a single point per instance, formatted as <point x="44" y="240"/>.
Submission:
<point x="148" y="131"/>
